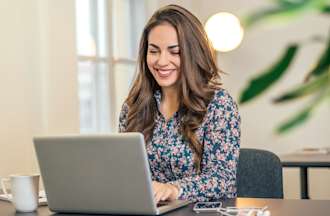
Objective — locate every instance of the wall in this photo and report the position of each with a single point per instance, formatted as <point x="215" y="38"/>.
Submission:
<point x="261" y="45"/>
<point x="38" y="87"/>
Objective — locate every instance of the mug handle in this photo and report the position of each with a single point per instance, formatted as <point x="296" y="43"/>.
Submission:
<point x="3" y="186"/>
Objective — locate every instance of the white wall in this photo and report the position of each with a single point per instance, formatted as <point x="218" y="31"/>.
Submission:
<point x="38" y="87"/>
<point x="261" y="45"/>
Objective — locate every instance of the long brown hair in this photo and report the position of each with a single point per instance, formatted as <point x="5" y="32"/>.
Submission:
<point x="199" y="77"/>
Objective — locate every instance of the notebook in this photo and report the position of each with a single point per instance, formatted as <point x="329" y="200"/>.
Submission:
<point x="107" y="174"/>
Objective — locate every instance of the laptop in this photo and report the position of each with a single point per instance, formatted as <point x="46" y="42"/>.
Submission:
<point x="101" y="174"/>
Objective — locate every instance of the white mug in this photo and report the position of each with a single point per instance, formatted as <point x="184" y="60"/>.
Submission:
<point x="24" y="190"/>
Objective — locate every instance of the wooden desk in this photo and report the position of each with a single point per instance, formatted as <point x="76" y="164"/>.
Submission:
<point x="303" y="162"/>
<point x="277" y="207"/>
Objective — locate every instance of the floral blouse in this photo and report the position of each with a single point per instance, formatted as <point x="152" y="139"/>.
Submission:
<point x="171" y="159"/>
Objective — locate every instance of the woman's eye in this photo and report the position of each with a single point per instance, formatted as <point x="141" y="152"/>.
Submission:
<point x="175" y="52"/>
<point x="153" y="51"/>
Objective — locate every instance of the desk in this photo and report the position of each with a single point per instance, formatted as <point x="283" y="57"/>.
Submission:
<point x="277" y="207"/>
<point x="303" y="162"/>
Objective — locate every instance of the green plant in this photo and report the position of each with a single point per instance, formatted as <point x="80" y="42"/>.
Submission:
<point x="317" y="80"/>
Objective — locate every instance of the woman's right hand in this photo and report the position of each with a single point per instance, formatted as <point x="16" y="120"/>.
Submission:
<point x="163" y="191"/>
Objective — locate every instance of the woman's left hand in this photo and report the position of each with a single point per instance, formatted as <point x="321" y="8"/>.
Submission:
<point x="164" y="192"/>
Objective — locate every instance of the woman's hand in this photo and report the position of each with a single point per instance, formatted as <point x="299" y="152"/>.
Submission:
<point x="164" y="192"/>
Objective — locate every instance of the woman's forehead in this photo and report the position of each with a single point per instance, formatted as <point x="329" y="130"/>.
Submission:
<point x="163" y="34"/>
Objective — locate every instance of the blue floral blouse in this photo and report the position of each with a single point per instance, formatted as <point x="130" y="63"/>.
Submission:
<point x="171" y="159"/>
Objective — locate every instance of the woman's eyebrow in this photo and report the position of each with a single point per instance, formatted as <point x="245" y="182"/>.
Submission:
<point x="154" y="46"/>
<point x="169" y="47"/>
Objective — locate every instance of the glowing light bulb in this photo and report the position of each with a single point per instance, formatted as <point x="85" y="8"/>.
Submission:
<point x="225" y="31"/>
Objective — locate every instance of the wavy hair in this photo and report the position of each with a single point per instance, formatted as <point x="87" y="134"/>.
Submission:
<point x="199" y="77"/>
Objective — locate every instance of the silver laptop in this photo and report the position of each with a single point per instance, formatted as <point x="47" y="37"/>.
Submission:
<point x="98" y="174"/>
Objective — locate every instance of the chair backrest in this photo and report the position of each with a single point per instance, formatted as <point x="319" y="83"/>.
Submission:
<point x="259" y="174"/>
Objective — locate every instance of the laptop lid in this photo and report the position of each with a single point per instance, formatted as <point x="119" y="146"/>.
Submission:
<point x="96" y="173"/>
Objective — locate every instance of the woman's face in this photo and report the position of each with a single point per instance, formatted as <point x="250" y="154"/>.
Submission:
<point x="163" y="56"/>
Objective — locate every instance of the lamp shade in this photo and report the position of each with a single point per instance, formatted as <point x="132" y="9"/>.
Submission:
<point x="225" y="31"/>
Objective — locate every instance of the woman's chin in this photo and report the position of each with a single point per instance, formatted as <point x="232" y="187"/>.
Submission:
<point x="169" y="84"/>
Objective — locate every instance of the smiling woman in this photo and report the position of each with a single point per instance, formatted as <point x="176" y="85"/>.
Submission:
<point x="163" y="55"/>
<point x="190" y="123"/>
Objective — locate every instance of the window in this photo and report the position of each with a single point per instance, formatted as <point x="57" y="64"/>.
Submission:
<point x="107" y="37"/>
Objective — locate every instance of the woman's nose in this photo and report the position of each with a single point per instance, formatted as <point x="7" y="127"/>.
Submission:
<point x="163" y="59"/>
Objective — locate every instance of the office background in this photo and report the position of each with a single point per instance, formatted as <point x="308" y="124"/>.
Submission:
<point x="39" y="82"/>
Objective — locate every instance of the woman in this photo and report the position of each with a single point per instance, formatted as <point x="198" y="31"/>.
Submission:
<point x="190" y="124"/>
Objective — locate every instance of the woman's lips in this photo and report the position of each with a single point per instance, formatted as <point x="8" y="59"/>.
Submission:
<point x="164" y="73"/>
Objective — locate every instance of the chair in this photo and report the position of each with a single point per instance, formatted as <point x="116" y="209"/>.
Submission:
<point x="259" y="174"/>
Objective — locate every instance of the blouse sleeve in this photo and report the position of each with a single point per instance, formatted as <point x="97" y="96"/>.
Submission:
<point x="220" y="155"/>
<point x="123" y="118"/>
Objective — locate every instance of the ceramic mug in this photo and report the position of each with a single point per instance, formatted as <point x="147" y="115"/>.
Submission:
<point x="24" y="190"/>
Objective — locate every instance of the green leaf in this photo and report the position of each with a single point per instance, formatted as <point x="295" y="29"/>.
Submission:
<point x="284" y="11"/>
<point x="295" y="121"/>
<point x="326" y="9"/>
<point x="291" y="2"/>
<point x="270" y="76"/>
<point x="323" y="63"/>
<point x="306" y="88"/>
<point x="303" y="115"/>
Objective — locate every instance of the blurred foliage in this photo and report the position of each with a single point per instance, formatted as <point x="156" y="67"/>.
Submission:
<point x="316" y="81"/>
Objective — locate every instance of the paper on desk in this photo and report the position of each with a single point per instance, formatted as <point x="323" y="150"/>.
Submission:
<point x="42" y="197"/>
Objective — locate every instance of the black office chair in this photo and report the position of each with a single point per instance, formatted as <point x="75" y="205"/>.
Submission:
<point x="259" y="174"/>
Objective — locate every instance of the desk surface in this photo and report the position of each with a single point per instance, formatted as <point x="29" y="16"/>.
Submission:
<point x="308" y="160"/>
<point x="277" y="207"/>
